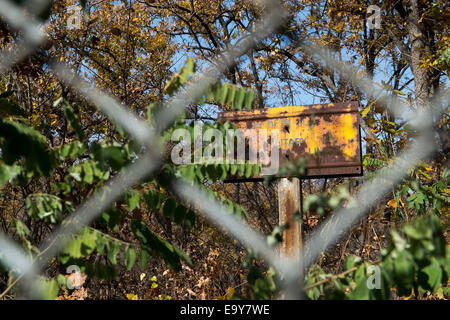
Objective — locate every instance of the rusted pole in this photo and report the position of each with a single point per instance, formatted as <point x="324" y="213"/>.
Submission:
<point x="290" y="202"/>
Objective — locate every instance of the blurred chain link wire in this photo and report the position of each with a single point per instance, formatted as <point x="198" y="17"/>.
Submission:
<point x="289" y="268"/>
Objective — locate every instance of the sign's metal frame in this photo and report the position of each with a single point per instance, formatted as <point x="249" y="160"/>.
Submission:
<point x="330" y="114"/>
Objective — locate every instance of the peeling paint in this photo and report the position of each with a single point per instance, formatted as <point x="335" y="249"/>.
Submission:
<point x="327" y="135"/>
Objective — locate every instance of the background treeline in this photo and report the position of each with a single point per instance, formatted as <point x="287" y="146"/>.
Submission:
<point x="57" y="149"/>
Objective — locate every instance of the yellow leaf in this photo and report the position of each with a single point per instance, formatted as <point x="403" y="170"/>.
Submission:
<point x="371" y="122"/>
<point x="365" y="111"/>
<point x="440" y="293"/>
<point x="142" y="276"/>
<point x="392" y="203"/>
<point x="132" y="296"/>
<point x="399" y="92"/>
<point x="425" y="174"/>
<point x="230" y="293"/>
<point x="412" y="295"/>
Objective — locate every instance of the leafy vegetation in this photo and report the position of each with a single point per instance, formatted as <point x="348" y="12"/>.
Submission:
<point x="57" y="150"/>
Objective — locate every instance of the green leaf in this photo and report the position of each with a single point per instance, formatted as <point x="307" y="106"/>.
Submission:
<point x="399" y="242"/>
<point x="112" y="217"/>
<point x="101" y="271"/>
<point x="113" y="247"/>
<point x="109" y="155"/>
<point x="44" y="207"/>
<point x="189" y="220"/>
<point x="169" y="207"/>
<point x="153" y="199"/>
<point x="249" y="98"/>
<point x="152" y="110"/>
<point x="239" y="99"/>
<point x="231" y="94"/>
<point x="47" y="289"/>
<point x="256" y="169"/>
<point x="71" y="150"/>
<point x="143" y="257"/>
<point x="187" y="70"/>
<point x="4" y="174"/>
<point x="248" y="171"/>
<point x="88" y="241"/>
<point x="74" y="121"/>
<point x="130" y="257"/>
<point x="211" y="172"/>
<point x="180" y="214"/>
<point x="73" y="248"/>
<point x="62" y="281"/>
<point x="22" y="141"/>
<point x="360" y="274"/>
<point x="133" y="200"/>
<point x="241" y="169"/>
<point x="224" y="171"/>
<point x="45" y="11"/>
<point x="180" y="78"/>
<point x="22" y="229"/>
<point x="434" y="273"/>
<point x="149" y="198"/>
<point x="88" y="176"/>
<point x="223" y="94"/>
<point x="199" y="173"/>
<point x="448" y="261"/>
<point x="238" y="211"/>
<point x="352" y="261"/>
<point x="101" y="242"/>
<point x="75" y="172"/>
<point x="404" y="272"/>
<point x="8" y="108"/>
<point x="164" y="249"/>
<point x="188" y="172"/>
<point x="361" y="291"/>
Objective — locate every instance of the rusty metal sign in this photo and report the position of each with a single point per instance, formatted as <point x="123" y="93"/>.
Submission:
<point x="327" y="135"/>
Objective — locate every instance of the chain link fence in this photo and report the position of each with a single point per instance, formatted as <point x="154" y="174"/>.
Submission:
<point x="291" y="269"/>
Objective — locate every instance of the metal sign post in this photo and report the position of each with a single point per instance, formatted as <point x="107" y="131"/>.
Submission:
<point x="289" y="204"/>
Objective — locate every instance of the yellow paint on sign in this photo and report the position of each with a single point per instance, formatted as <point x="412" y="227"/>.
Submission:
<point x="313" y="133"/>
<point x="327" y="135"/>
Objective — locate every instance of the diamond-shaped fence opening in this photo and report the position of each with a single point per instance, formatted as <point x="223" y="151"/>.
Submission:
<point x="290" y="268"/>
